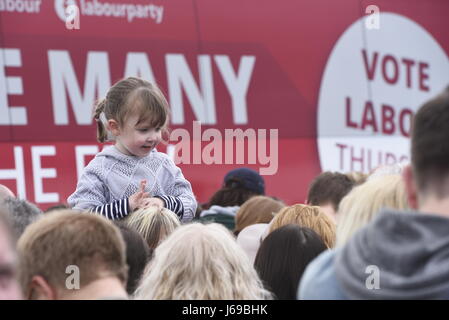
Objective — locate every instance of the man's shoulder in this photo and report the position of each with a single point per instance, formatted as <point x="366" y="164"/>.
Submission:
<point x="319" y="281"/>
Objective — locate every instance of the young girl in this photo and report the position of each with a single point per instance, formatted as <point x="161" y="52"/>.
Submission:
<point x="131" y="174"/>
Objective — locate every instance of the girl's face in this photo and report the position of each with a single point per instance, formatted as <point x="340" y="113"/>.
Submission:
<point x="136" y="139"/>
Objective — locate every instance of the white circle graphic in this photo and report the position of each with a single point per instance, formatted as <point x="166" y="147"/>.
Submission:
<point x="373" y="83"/>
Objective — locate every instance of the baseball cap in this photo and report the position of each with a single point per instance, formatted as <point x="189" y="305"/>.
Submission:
<point x="248" y="178"/>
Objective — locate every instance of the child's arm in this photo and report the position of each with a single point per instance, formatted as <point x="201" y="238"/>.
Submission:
<point x="91" y="195"/>
<point x="116" y="210"/>
<point x="179" y="196"/>
<point x="173" y="204"/>
<point x="121" y="208"/>
<point x="90" y="192"/>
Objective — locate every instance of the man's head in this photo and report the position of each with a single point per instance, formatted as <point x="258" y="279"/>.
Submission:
<point x="9" y="287"/>
<point x="22" y="213"/>
<point x="238" y="186"/>
<point x="327" y="190"/>
<point x="247" y="178"/>
<point x="5" y="192"/>
<point x="66" y="251"/>
<point x="428" y="177"/>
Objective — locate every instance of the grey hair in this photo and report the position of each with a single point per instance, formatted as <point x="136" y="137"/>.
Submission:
<point x="21" y="213"/>
<point x="5" y="192"/>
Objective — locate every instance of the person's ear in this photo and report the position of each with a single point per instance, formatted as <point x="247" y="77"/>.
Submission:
<point x="113" y="126"/>
<point x="410" y="186"/>
<point x="40" y="290"/>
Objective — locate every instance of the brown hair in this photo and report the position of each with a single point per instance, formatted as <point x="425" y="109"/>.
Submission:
<point x="430" y="150"/>
<point x="132" y="96"/>
<point x="283" y="257"/>
<point x="233" y="193"/>
<point x="307" y="216"/>
<point x="258" y="209"/>
<point x="63" y="238"/>
<point x="329" y="187"/>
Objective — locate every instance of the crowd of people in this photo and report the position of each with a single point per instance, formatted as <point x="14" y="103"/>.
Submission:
<point x="381" y="235"/>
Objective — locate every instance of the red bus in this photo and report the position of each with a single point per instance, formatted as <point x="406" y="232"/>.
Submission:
<point x="289" y="88"/>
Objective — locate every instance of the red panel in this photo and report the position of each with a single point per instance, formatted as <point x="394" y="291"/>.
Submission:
<point x="290" y="40"/>
<point x="296" y="167"/>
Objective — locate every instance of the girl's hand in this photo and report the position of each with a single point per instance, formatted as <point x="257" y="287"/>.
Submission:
<point x="150" y="202"/>
<point x="138" y="199"/>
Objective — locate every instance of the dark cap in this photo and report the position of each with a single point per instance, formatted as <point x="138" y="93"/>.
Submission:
<point x="248" y="178"/>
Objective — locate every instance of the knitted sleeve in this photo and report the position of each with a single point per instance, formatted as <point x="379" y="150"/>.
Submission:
<point x="90" y="191"/>
<point x="179" y="198"/>
<point x="92" y="195"/>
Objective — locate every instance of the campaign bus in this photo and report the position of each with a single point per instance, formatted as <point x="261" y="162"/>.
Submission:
<point x="288" y="88"/>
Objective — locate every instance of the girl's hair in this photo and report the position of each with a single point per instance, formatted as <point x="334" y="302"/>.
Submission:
<point x="200" y="262"/>
<point x="306" y="216"/>
<point x="284" y="255"/>
<point x="233" y="193"/>
<point x="132" y="96"/>
<point x="258" y="209"/>
<point x="153" y="224"/>
<point x="363" y="202"/>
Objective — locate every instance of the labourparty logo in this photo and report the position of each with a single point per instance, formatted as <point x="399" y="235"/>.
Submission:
<point x="61" y="7"/>
<point x="67" y="10"/>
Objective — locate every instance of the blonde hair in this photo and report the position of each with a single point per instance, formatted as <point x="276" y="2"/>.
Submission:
<point x="63" y="238"/>
<point x="258" y="209"/>
<point x="357" y="176"/>
<point x="387" y="170"/>
<point x="131" y="96"/>
<point x="200" y="262"/>
<point x="153" y="224"/>
<point x="361" y="205"/>
<point x="306" y="216"/>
